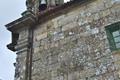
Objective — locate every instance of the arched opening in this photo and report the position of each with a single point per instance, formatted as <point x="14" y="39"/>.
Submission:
<point x="65" y="1"/>
<point x="44" y="4"/>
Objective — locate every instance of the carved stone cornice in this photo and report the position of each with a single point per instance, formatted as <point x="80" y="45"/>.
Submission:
<point x="28" y="19"/>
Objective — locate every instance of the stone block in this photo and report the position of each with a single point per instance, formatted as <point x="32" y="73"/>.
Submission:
<point x="69" y="26"/>
<point x="67" y="20"/>
<point x="116" y="56"/>
<point x="40" y="29"/>
<point x="92" y="7"/>
<point x="23" y="34"/>
<point x="41" y="36"/>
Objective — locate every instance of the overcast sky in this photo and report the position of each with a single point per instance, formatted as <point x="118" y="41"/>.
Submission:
<point x="10" y="10"/>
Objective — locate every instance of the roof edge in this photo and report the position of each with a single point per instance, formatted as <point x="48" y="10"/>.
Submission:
<point x="59" y="9"/>
<point x="27" y="16"/>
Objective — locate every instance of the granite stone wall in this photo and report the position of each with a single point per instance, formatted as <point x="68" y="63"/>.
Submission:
<point x="74" y="45"/>
<point x="22" y="50"/>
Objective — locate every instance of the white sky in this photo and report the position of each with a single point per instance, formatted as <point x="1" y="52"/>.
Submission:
<point x="66" y="0"/>
<point x="10" y="10"/>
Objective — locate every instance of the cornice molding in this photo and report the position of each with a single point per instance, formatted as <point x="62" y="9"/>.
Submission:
<point x="27" y="20"/>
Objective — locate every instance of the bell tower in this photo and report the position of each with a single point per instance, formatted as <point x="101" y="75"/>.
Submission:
<point x="55" y="2"/>
<point x="37" y="6"/>
<point x="42" y="5"/>
<point x="46" y="4"/>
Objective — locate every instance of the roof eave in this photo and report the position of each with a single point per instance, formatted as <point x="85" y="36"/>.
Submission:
<point x="25" y="21"/>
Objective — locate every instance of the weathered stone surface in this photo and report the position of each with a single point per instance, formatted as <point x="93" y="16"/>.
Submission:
<point x="74" y="45"/>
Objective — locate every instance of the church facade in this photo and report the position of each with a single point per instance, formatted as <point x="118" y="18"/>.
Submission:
<point x="77" y="40"/>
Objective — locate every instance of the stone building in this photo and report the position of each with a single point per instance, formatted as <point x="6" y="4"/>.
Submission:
<point x="77" y="40"/>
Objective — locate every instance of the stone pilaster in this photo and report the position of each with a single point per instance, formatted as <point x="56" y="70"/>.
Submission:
<point x="21" y="44"/>
<point x="22" y="55"/>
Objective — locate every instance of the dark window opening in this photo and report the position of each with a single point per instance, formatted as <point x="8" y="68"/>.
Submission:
<point x="15" y="37"/>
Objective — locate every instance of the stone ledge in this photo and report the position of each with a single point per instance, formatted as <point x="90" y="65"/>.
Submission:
<point x="11" y="47"/>
<point x="21" y="22"/>
<point x="25" y="21"/>
<point x="21" y="46"/>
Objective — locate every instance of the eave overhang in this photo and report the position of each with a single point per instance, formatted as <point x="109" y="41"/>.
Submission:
<point x="26" y="20"/>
